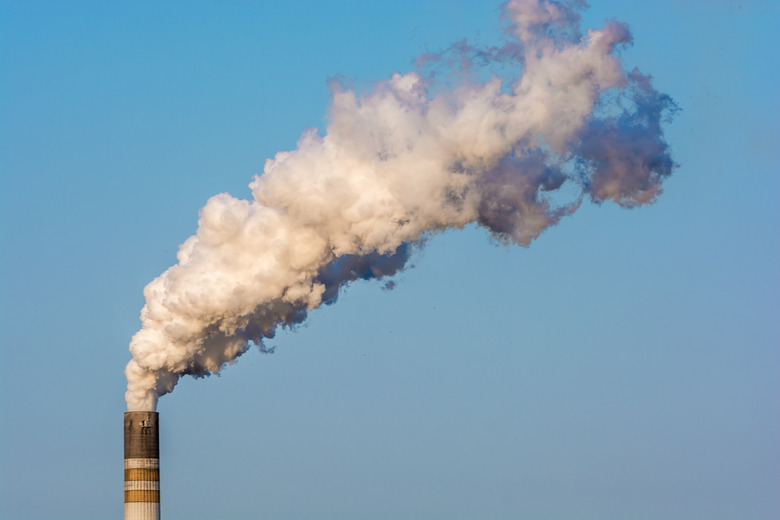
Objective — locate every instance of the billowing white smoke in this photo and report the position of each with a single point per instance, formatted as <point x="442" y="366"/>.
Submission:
<point x="410" y="158"/>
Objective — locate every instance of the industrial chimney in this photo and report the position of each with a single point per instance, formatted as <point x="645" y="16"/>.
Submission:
<point x="142" y="466"/>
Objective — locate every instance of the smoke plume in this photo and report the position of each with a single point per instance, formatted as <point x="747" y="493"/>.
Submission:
<point x="498" y="139"/>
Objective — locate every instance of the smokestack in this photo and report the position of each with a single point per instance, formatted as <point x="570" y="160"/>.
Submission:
<point x="142" y="466"/>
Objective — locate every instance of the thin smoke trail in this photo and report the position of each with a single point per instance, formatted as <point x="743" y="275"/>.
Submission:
<point x="416" y="155"/>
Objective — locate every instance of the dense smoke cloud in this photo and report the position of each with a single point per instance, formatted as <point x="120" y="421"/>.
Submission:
<point x="414" y="156"/>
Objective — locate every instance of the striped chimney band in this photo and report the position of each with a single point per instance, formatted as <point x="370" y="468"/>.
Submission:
<point x="142" y="466"/>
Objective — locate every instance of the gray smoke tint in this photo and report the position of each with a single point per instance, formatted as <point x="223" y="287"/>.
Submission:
<point x="422" y="152"/>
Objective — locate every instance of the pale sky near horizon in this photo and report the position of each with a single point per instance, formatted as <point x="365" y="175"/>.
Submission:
<point x="624" y="366"/>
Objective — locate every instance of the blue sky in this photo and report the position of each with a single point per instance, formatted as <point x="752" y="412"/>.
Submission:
<point x="624" y="366"/>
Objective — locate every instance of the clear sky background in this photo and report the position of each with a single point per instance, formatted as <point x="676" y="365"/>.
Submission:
<point x="624" y="366"/>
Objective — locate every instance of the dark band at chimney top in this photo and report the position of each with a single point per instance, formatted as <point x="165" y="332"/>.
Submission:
<point x="142" y="439"/>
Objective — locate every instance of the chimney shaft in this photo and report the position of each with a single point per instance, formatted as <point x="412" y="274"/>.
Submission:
<point x="142" y="466"/>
